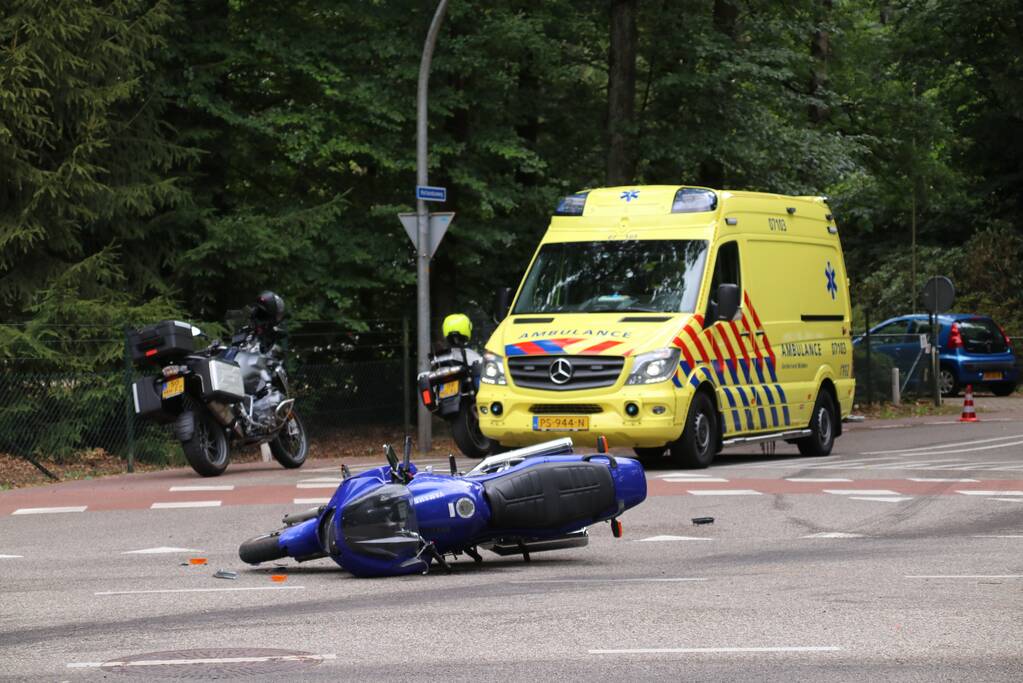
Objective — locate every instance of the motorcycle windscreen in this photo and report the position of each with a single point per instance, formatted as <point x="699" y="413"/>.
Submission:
<point x="380" y="533"/>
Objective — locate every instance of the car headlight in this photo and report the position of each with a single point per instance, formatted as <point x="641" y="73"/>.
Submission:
<point x="493" y="369"/>
<point x="655" y="366"/>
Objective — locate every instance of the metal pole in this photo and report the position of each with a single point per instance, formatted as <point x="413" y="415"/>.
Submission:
<point x="405" y="374"/>
<point x="935" y="370"/>
<point x="870" y="368"/>
<point x="423" y="225"/>
<point x="129" y="405"/>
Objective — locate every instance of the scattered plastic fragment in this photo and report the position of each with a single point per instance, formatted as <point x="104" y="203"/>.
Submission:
<point x="197" y="560"/>
<point x="279" y="578"/>
<point x="703" y="520"/>
<point x="225" y="574"/>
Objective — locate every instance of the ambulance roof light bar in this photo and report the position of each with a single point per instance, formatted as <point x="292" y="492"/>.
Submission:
<point x="694" y="200"/>
<point x="572" y="205"/>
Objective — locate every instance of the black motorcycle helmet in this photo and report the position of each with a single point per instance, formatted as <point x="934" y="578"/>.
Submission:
<point x="268" y="309"/>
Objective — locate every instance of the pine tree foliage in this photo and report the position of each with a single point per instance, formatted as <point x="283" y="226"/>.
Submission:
<point x="87" y="167"/>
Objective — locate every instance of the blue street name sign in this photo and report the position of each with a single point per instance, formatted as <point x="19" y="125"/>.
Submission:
<point x="429" y="193"/>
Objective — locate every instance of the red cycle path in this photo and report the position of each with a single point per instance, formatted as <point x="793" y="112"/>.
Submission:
<point x="267" y="484"/>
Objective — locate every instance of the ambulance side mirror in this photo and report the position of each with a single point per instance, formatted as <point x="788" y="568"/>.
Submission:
<point x="727" y="301"/>
<point x="502" y="303"/>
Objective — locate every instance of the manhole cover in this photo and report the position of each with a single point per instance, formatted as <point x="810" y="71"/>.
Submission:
<point x="214" y="663"/>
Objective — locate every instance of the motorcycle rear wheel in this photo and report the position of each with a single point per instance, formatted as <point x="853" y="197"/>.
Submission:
<point x="289" y="449"/>
<point x="208" y="451"/>
<point x="465" y="430"/>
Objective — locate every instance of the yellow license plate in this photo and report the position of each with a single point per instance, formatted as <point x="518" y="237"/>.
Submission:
<point x="172" y="388"/>
<point x="448" y="389"/>
<point x="561" y="423"/>
<point x="992" y="375"/>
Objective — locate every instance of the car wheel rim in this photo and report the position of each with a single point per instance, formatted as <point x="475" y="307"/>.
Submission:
<point x="702" y="433"/>
<point x="946" y="382"/>
<point x="824" y="425"/>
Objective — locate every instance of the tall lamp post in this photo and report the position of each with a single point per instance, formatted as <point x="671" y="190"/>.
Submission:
<point x="423" y="226"/>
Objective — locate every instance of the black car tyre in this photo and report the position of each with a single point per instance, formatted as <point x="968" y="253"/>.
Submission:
<point x="822" y="427"/>
<point x="291" y="445"/>
<point x="1003" y="388"/>
<point x="207" y="451"/>
<point x="947" y="382"/>
<point x="263" y="548"/>
<point x="650" y="457"/>
<point x="465" y="430"/>
<point x="696" y="447"/>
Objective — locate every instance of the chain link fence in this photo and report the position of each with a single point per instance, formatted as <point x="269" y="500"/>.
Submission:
<point x="342" y="379"/>
<point x="877" y="356"/>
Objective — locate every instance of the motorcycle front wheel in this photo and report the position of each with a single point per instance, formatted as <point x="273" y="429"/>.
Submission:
<point x="207" y="451"/>
<point x="465" y="430"/>
<point x="291" y="446"/>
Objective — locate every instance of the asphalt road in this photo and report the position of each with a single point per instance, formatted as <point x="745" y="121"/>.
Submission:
<point x="900" y="557"/>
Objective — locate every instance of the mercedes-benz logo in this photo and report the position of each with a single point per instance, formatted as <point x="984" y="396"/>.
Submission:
<point x="561" y="371"/>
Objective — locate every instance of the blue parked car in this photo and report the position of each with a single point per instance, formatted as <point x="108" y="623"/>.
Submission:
<point x="972" y="349"/>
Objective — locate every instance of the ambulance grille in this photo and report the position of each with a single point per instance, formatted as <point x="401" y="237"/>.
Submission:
<point x="565" y="409"/>
<point x="588" y="372"/>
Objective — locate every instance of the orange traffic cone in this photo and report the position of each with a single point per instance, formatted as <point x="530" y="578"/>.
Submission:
<point x="969" y="414"/>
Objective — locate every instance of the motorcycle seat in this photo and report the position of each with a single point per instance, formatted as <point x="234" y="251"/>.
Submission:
<point x="550" y="495"/>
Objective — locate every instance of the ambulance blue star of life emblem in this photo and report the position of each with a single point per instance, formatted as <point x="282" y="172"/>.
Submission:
<point x="629" y="195"/>
<point x="829" y="273"/>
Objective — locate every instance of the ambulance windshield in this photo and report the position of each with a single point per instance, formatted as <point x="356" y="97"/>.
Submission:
<point x="629" y="275"/>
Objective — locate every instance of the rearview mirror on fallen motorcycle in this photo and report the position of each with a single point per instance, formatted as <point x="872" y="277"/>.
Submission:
<point x="449" y="388"/>
<point x="220" y="397"/>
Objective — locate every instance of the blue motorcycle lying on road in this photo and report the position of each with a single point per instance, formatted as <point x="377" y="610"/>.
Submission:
<point x="394" y="519"/>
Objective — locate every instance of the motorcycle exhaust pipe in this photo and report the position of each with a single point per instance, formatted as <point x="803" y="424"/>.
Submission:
<point x="503" y="547"/>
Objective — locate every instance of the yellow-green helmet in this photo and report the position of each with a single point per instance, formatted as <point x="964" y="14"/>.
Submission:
<point x="458" y="323"/>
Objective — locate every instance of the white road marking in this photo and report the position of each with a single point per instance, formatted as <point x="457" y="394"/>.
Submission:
<point x="965" y="576"/>
<point x="687" y="480"/>
<point x="928" y="479"/>
<point x="162" y="550"/>
<point x="652" y="580"/>
<point x="673" y="538"/>
<point x="823" y="480"/>
<point x="991" y="493"/>
<point x="1008" y="500"/>
<point x="975" y="465"/>
<point x="973" y="450"/>
<point x="709" y="650"/>
<point x="861" y="492"/>
<point x="173" y="505"/>
<point x="216" y="487"/>
<point x="723" y="492"/>
<point x="10" y="557"/>
<point x="683" y="474"/>
<point x="47" y="511"/>
<point x="895" y="499"/>
<point x="998" y="535"/>
<point x="212" y="660"/>
<point x="944" y="446"/>
<point x="324" y="485"/>
<point x="311" y="501"/>
<point x="833" y="534"/>
<point x="202" y="590"/>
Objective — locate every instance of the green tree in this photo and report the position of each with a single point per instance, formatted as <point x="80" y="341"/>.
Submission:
<point x="87" y="174"/>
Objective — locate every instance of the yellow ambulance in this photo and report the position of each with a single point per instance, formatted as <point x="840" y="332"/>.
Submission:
<point x="676" y="321"/>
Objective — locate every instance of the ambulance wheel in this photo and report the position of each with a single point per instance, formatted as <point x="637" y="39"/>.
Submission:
<point x="822" y="428"/>
<point x="696" y="447"/>
<point x="650" y="457"/>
